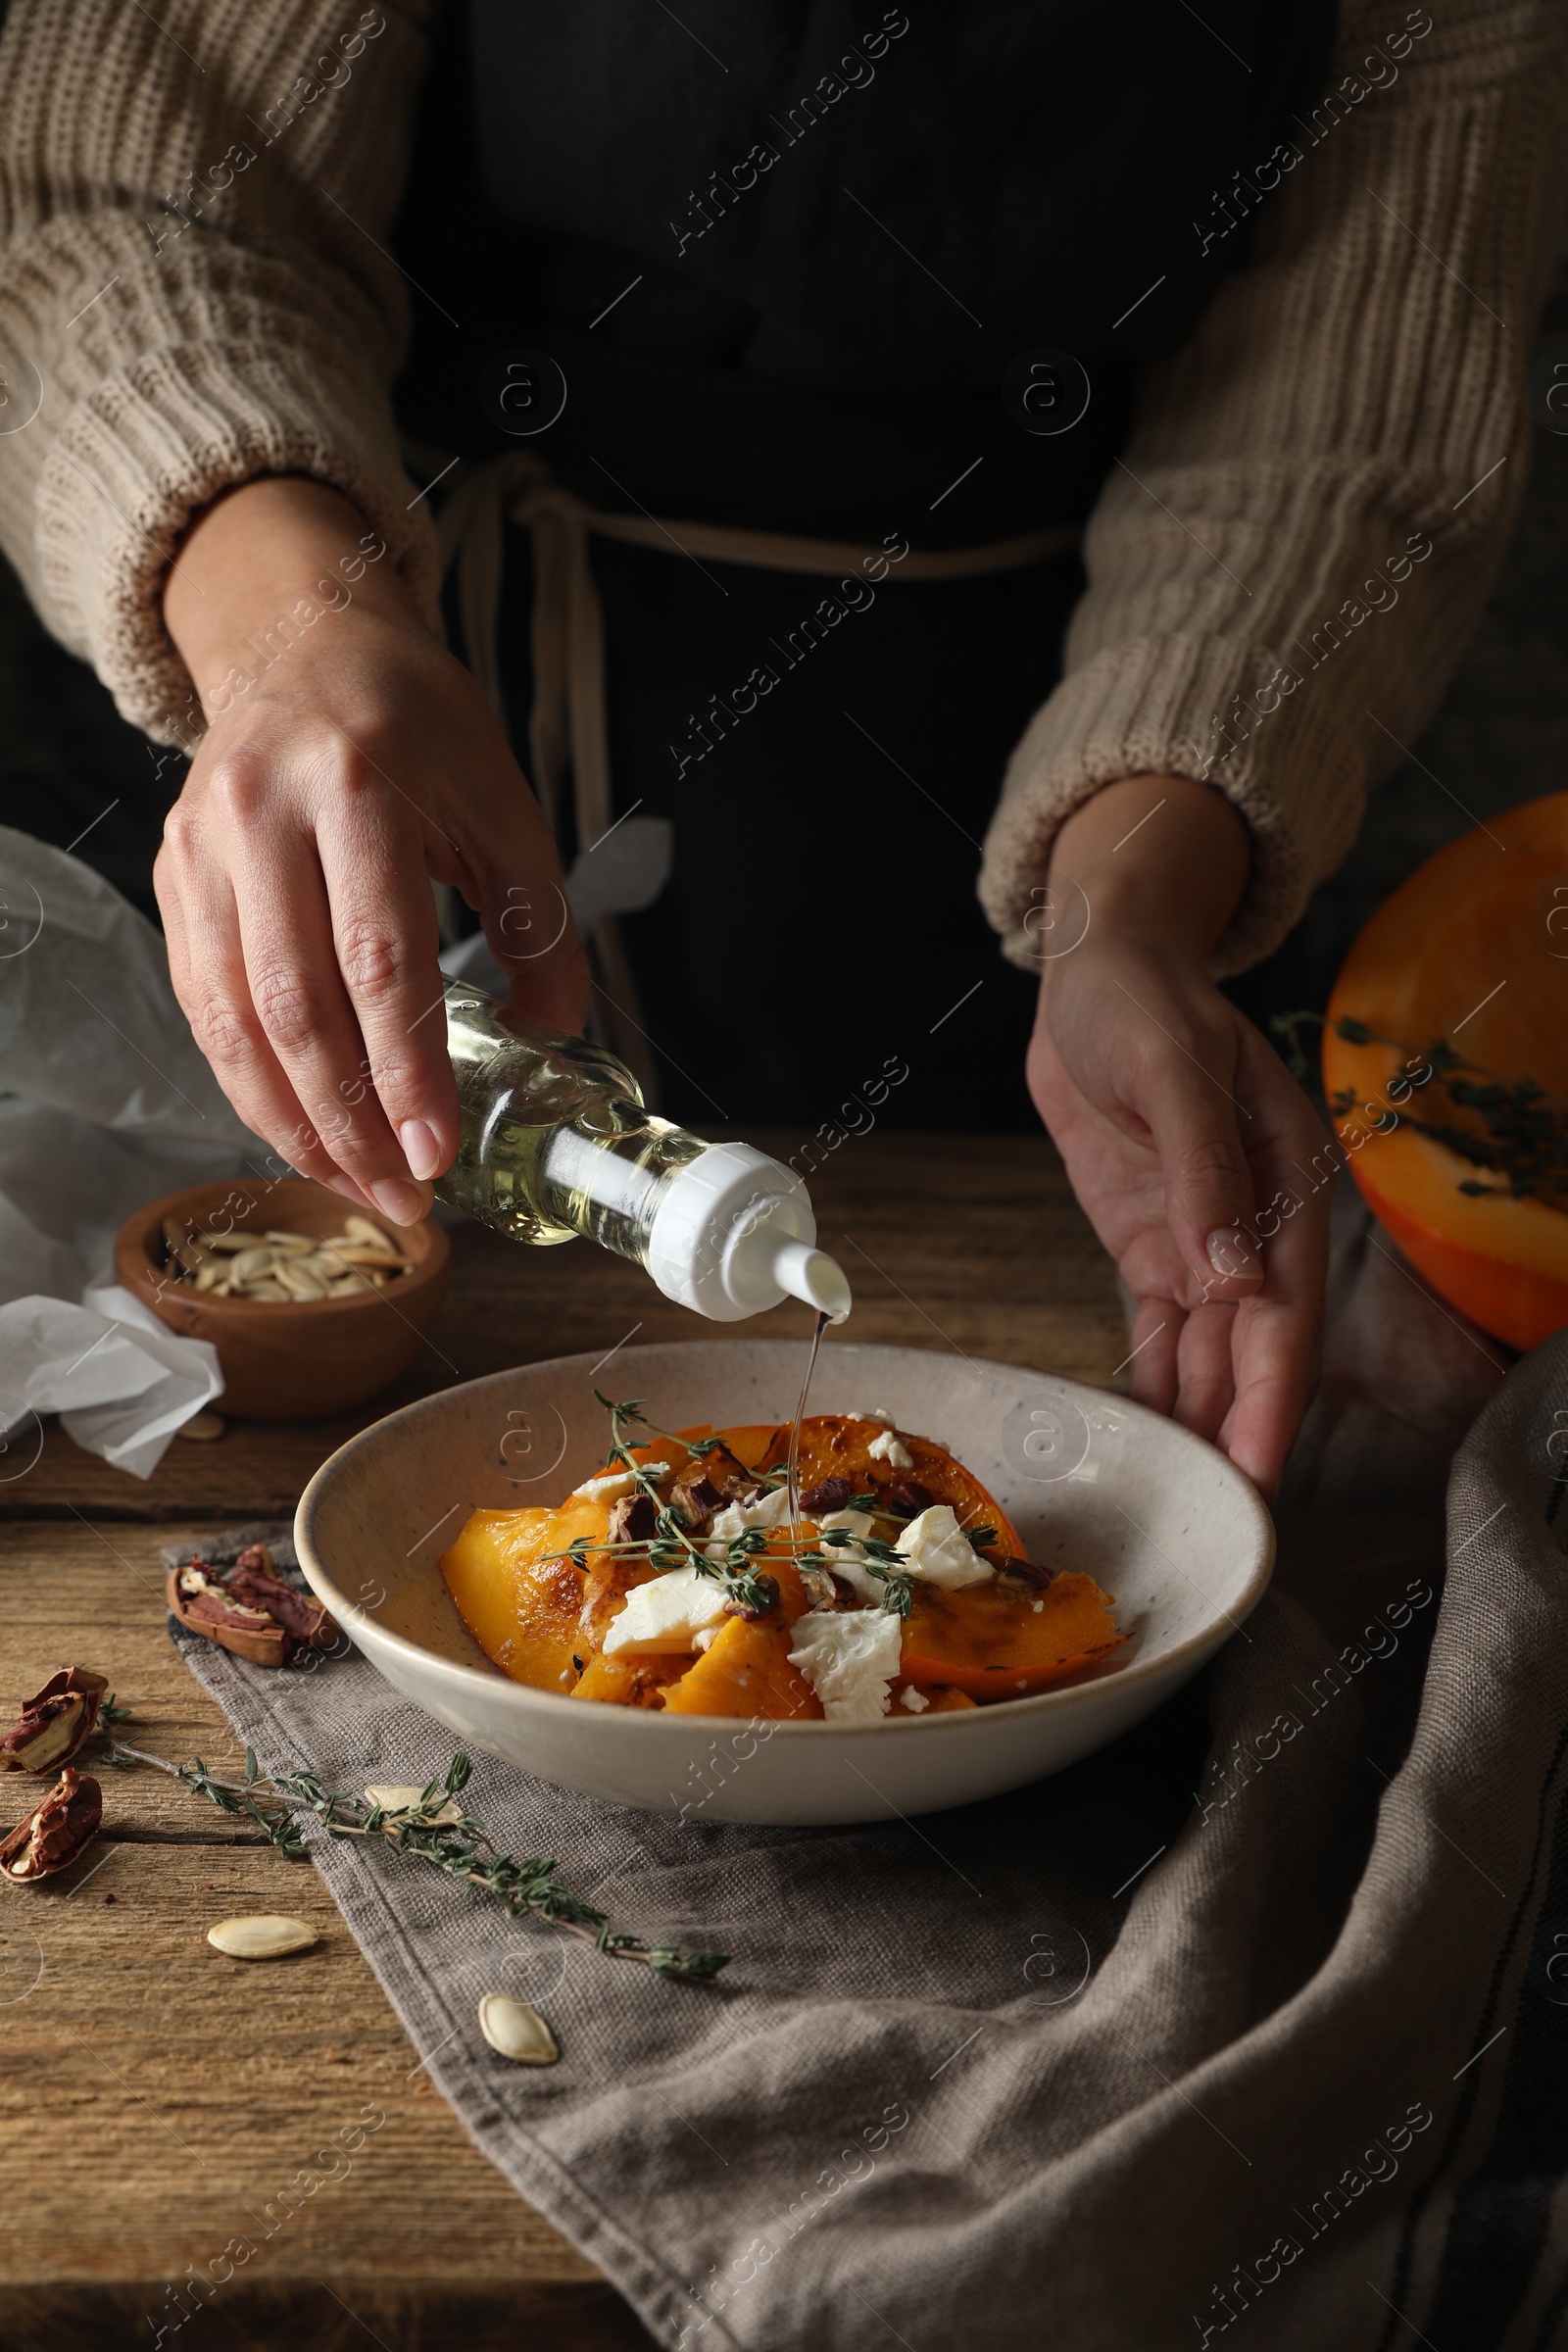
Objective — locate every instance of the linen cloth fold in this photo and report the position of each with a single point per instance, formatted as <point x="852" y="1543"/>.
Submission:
<point x="1250" y="2026"/>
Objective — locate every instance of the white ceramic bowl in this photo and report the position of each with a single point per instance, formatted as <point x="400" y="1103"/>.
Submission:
<point x="1160" y="1519"/>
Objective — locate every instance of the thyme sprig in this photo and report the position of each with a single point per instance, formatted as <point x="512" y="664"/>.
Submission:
<point x="1523" y="1132"/>
<point x="671" y="1545"/>
<point x="449" y="1840"/>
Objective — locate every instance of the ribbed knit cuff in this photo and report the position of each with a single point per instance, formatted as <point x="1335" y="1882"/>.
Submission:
<point x="153" y="444"/>
<point x="1166" y="705"/>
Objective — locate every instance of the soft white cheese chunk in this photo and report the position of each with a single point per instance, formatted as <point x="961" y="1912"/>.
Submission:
<point x="611" y="1485"/>
<point x="736" y="1517"/>
<point x="848" y="1659"/>
<point x="667" y="1613"/>
<point x="889" y="1447"/>
<point x="873" y="1412"/>
<point x="936" y="1549"/>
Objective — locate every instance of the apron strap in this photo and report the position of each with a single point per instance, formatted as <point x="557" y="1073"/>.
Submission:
<point x="569" y="736"/>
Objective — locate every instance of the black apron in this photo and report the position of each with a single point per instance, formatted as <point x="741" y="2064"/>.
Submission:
<point x="816" y="343"/>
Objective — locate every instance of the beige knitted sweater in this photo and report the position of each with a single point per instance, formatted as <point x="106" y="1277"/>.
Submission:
<point x="1282" y="571"/>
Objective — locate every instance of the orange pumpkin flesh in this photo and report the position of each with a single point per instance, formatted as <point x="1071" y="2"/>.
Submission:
<point x="746" y="1670"/>
<point x="537" y="1615"/>
<point x="832" y="1447"/>
<point x="977" y="1641"/>
<point x="1468" y="949"/>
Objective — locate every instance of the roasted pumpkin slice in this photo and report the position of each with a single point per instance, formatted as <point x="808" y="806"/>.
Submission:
<point x="834" y="1447"/>
<point x="994" y="1645"/>
<point x="941" y="1699"/>
<point x="520" y="1606"/>
<point x="521" y="1602"/>
<point x="746" y="1671"/>
<point x="638" y="1681"/>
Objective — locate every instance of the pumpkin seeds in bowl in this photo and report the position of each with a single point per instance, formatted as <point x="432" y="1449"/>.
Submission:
<point x="282" y="1267"/>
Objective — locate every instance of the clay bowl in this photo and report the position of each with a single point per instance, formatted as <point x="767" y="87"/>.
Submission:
<point x="309" y="1358"/>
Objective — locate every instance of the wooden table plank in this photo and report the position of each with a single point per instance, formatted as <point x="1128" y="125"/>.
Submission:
<point x="972" y="1243"/>
<point x="158" y="2096"/>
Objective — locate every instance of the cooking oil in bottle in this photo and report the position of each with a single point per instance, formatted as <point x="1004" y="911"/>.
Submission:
<point x="555" y="1142"/>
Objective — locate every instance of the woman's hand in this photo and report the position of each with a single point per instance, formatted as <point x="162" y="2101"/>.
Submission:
<point x="349" y="761"/>
<point x="1187" y="1142"/>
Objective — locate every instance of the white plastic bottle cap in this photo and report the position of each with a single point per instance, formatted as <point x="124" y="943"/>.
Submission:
<point x="734" y="1233"/>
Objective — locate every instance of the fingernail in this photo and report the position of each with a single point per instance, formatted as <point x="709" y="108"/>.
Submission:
<point x="419" y="1148"/>
<point x="1232" y="1254"/>
<point x="404" y="1203"/>
<point x="347" y="1187"/>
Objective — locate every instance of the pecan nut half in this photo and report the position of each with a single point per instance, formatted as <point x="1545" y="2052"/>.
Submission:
<point x="56" y="1832"/>
<point x="54" y="1722"/>
<point x="1024" y="1571"/>
<point x="709" y="1482"/>
<point x="255" y="1615"/>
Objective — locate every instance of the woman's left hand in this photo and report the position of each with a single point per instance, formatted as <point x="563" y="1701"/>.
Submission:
<point x="1185" y="1138"/>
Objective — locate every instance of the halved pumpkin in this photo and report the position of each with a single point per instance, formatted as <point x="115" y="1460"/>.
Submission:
<point x="1472" y="950"/>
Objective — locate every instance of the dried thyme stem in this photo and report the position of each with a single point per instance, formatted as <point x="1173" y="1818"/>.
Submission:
<point x="458" y="1847"/>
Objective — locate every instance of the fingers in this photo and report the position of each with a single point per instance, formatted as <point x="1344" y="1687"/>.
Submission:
<point x="207" y="969"/>
<point x="385" y="942"/>
<point x="1276" y="1372"/>
<point x="1198" y="1125"/>
<point x="528" y="926"/>
<point x="1280" y="1334"/>
<point x="288" y="929"/>
<point x="1155" y="1337"/>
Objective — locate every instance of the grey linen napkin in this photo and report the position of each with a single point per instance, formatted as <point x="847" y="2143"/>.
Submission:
<point x="1252" y="2022"/>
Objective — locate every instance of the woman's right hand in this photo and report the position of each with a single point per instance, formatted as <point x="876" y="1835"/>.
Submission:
<point x="345" y="767"/>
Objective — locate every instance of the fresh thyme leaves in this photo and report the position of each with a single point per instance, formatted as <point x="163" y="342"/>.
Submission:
<point x="747" y="1592"/>
<point x="671" y="1545"/>
<point x="632" y="1411"/>
<point x="1522" y="1134"/>
<point x="436" y="1831"/>
<point x="898" y="1591"/>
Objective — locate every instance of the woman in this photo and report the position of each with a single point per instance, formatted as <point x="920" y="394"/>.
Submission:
<point x="784" y="269"/>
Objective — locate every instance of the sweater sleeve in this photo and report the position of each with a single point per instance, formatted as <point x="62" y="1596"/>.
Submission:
<point x="194" y="291"/>
<point x="1285" y="565"/>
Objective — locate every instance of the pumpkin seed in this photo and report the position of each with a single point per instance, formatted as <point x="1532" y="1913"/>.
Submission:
<point x="295" y="1276"/>
<point x="280" y="1266"/>
<point x="261" y="1936"/>
<point x="203" y="1427"/>
<point x="396" y="1796"/>
<point x="517" y="2031"/>
<point x="362" y="1230"/>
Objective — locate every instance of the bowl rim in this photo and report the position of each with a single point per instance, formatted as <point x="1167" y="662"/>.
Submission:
<point x="1063" y="1699"/>
<point x="129" y="1239"/>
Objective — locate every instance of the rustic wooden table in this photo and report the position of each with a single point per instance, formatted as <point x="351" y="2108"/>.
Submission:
<point x="158" y="2098"/>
